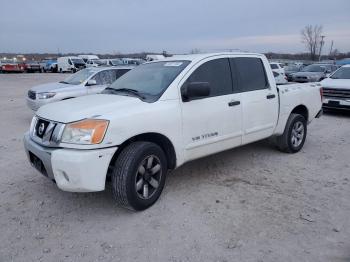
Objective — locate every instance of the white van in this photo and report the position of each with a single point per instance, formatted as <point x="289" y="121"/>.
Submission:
<point x="88" y="57"/>
<point x="70" y="64"/>
<point x="154" y="57"/>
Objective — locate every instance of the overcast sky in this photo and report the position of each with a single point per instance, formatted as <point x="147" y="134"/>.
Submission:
<point x="177" y="26"/>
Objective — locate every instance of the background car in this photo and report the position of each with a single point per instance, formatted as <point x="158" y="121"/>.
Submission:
<point x="48" y="65"/>
<point x="95" y="62"/>
<point x="313" y="73"/>
<point x="290" y="70"/>
<point x="280" y="78"/>
<point x="10" y="66"/>
<point x="32" y="66"/>
<point x="85" y="82"/>
<point x="336" y="89"/>
<point x="277" y="67"/>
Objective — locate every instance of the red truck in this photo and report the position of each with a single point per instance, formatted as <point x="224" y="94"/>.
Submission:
<point x="8" y="66"/>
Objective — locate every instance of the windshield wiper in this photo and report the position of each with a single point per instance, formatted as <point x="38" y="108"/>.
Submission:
<point x="63" y="82"/>
<point x="126" y="90"/>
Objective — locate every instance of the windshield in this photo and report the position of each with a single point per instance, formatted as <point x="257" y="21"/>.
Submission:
<point x="151" y="79"/>
<point x="77" y="61"/>
<point x="79" y="77"/>
<point x="116" y="62"/>
<point x="342" y="73"/>
<point x="313" y="68"/>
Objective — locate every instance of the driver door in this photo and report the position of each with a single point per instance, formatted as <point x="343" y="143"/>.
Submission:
<point x="212" y="124"/>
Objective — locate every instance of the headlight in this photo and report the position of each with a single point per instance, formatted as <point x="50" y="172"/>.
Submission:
<point x="88" y="131"/>
<point x="45" y="95"/>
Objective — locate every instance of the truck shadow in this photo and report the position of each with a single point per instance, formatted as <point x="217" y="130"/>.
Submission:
<point x="338" y="113"/>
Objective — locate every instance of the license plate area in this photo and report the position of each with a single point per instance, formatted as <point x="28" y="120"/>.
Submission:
<point x="333" y="103"/>
<point x="37" y="163"/>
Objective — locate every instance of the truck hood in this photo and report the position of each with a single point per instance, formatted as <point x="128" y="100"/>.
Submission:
<point x="336" y="83"/>
<point x="51" y="87"/>
<point x="86" y="107"/>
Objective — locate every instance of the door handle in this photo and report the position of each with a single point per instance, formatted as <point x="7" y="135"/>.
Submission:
<point x="270" y="96"/>
<point x="234" y="103"/>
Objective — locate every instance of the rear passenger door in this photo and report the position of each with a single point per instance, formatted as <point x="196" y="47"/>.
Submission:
<point x="259" y="100"/>
<point x="212" y="124"/>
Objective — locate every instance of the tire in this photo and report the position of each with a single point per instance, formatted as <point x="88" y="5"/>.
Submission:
<point x="133" y="184"/>
<point x="294" y="135"/>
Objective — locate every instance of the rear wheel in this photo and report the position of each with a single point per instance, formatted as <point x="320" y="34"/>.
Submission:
<point x="138" y="175"/>
<point x="294" y="134"/>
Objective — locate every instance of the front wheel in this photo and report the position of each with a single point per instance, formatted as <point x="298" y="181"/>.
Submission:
<point x="138" y="175"/>
<point x="294" y="134"/>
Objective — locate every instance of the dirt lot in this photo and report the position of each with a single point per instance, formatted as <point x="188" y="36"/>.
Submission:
<point x="248" y="204"/>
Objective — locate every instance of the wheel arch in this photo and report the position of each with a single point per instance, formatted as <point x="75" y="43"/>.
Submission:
<point x="159" y="139"/>
<point x="301" y="110"/>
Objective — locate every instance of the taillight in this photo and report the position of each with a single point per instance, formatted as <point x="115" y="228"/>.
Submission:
<point x="321" y="94"/>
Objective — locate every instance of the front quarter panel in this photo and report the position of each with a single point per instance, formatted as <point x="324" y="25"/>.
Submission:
<point x="162" y="117"/>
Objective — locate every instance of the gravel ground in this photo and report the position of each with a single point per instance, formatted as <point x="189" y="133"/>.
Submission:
<point x="248" y="204"/>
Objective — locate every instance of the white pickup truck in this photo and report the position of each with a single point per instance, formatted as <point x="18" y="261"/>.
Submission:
<point x="162" y="114"/>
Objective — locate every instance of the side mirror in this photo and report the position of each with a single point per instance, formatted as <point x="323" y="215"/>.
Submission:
<point x="195" y="90"/>
<point x="91" y="82"/>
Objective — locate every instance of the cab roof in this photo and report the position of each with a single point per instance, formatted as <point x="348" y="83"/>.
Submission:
<point x="199" y="57"/>
<point x="101" y="68"/>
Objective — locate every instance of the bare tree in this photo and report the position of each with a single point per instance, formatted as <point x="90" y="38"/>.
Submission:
<point x="311" y="37"/>
<point x="334" y="53"/>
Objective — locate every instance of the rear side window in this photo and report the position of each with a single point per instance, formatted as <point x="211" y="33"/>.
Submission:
<point x="274" y="66"/>
<point x="251" y="73"/>
<point x="217" y="73"/>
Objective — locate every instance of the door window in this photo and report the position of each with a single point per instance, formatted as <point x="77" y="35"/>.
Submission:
<point x="251" y="72"/>
<point x="217" y="73"/>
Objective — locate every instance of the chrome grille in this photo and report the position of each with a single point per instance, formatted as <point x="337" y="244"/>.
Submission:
<point x="46" y="132"/>
<point x="336" y="93"/>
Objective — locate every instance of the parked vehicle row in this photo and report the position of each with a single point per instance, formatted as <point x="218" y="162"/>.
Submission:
<point x="64" y="64"/>
<point x="162" y="114"/>
<point x="298" y="72"/>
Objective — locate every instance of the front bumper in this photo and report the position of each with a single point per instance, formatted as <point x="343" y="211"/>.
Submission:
<point x="35" y="104"/>
<point x="334" y="103"/>
<point x="72" y="169"/>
